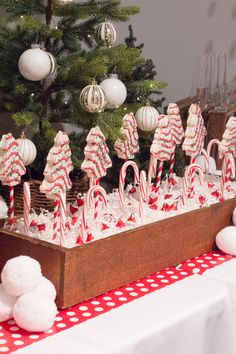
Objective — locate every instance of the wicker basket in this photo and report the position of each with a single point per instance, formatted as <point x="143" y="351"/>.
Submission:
<point x="39" y="200"/>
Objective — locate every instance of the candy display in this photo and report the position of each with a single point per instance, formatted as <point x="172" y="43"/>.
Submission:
<point x="98" y="214"/>
<point x="127" y="148"/>
<point x="177" y="133"/>
<point x="228" y="143"/>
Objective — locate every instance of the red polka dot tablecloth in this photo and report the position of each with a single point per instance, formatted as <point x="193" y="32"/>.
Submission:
<point x="13" y="338"/>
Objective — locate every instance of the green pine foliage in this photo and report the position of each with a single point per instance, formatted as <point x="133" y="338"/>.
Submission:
<point x="69" y="33"/>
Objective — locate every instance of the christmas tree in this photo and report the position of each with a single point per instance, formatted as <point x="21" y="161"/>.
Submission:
<point x="67" y="30"/>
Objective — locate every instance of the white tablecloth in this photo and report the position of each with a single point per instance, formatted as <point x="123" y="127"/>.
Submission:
<point x="192" y="316"/>
<point x="226" y="274"/>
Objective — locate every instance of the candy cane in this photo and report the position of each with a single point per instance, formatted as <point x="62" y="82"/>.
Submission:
<point x="187" y="180"/>
<point x="209" y="146"/>
<point x="142" y="193"/>
<point x="159" y="173"/>
<point x="11" y="208"/>
<point x="27" y="206"/>
<point x="151" y="172"/>
<point x="191" y="192"/>
<point x="62" y="218"/>
<point x="122" y="179"/>
<point x="172" y="162"/>
<point x="228" y="170"/>
<point x="55" y="218"/>
<point x="90" y="203"/>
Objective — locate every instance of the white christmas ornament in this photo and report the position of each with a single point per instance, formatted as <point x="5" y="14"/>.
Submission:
<point x="200" y="160"/>
<point x="6" y="304"/>
<point x="27" y="149"/>
<point x="147" y="118"/>
<point x="107" y="32"/>
<point x="234" y="216"/>
<point x="21" y="275"/>
<point x="36" y="64"/>
<point x="46" y="288"/>
<point x="34" y="312"/>
<point x="115" y="91"/>
<point x="92" y="98"/>
<point x="226" y="240"/>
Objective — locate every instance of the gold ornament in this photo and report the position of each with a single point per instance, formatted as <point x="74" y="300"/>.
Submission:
<point x="92" y="98"/>
<point x="107" y="32"/>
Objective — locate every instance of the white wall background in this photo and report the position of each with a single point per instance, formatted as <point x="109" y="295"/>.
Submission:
<point x="176" y="32"/>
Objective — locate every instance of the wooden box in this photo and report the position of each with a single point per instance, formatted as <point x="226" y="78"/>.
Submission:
<point x="90" y="270"/>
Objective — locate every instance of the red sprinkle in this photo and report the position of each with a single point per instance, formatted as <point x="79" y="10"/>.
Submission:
<point x="120" y="224"/>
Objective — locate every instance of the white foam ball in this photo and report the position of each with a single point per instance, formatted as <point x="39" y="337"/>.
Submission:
<point x="6" y="304"/>
<point x="200" y="160"/>
<point x="226" y="240"/>
<point x="46" y="288"/>
<point x="21" y="275"/>
<point x="234" y="216"/>
<point x="34" y="312"/>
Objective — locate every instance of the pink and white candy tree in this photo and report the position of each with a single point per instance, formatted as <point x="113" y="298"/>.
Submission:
<point x="11" y="168"/>
<point x="129" y="146"/>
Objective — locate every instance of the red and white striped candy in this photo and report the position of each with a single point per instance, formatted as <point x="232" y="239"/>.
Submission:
<point x="122" y="179"/>
<point x="55" y="218"/>
<point x="142" y="193"/>
<point x="89" y="203"/>
<point x="187" y="180"/>
<point x="27" y="206"/>
<point x="228" y="171"/>
<point x="151" y="172"/>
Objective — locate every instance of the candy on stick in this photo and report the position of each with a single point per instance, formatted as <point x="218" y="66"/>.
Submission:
<point x="27" y="206"/>
<point x="91" y="198"/>
<point x="228" y="142"/>
<point x="228" y="171"/>
<point x="122" y="179"/>
<point x="227" y="147"/>
<point x="205" y="163"/>
<point x="194" y="136"/>
<point x="11" y="168"/>
<point x="162" y="148"/>
<point x="177" y="133"/>
<point x="195" y="132"/>
<point x="56" y="179"/>
<point x="97" y="159"/>
<point x="127" y="148"/>
<point x="187" y="180"/>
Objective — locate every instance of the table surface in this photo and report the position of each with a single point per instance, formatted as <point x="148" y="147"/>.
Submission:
<point x="190" y="316"/>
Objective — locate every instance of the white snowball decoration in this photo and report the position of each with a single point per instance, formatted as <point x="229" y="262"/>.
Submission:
<point x="46" y="288"/>
<point x="6" y="304"/>
<point x="34" y="312"/>
<point x="226" y="240"/>
<point x="200" y="160"/>
<point x="27" y="149"/>
<point x="21" y="275"/>
<point x="115" y="91"/>
<point x="147" y="118"/>
<point x="234" y="216"/>
<point x="36" y="64"/>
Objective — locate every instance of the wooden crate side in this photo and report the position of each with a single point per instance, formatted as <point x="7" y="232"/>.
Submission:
<point x="100" y="266"/>
<point x="49" y="256"/>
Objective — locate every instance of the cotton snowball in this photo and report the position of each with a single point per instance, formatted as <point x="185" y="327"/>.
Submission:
<point x="234" y="216"/>
<point x="226" y="240"/>
<point x="6" y="304"/>
<point x="200" y="160"/>
<point x="34" y="312"/>
<point x="46" y="288"/>
<point x="21" y="275"/>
